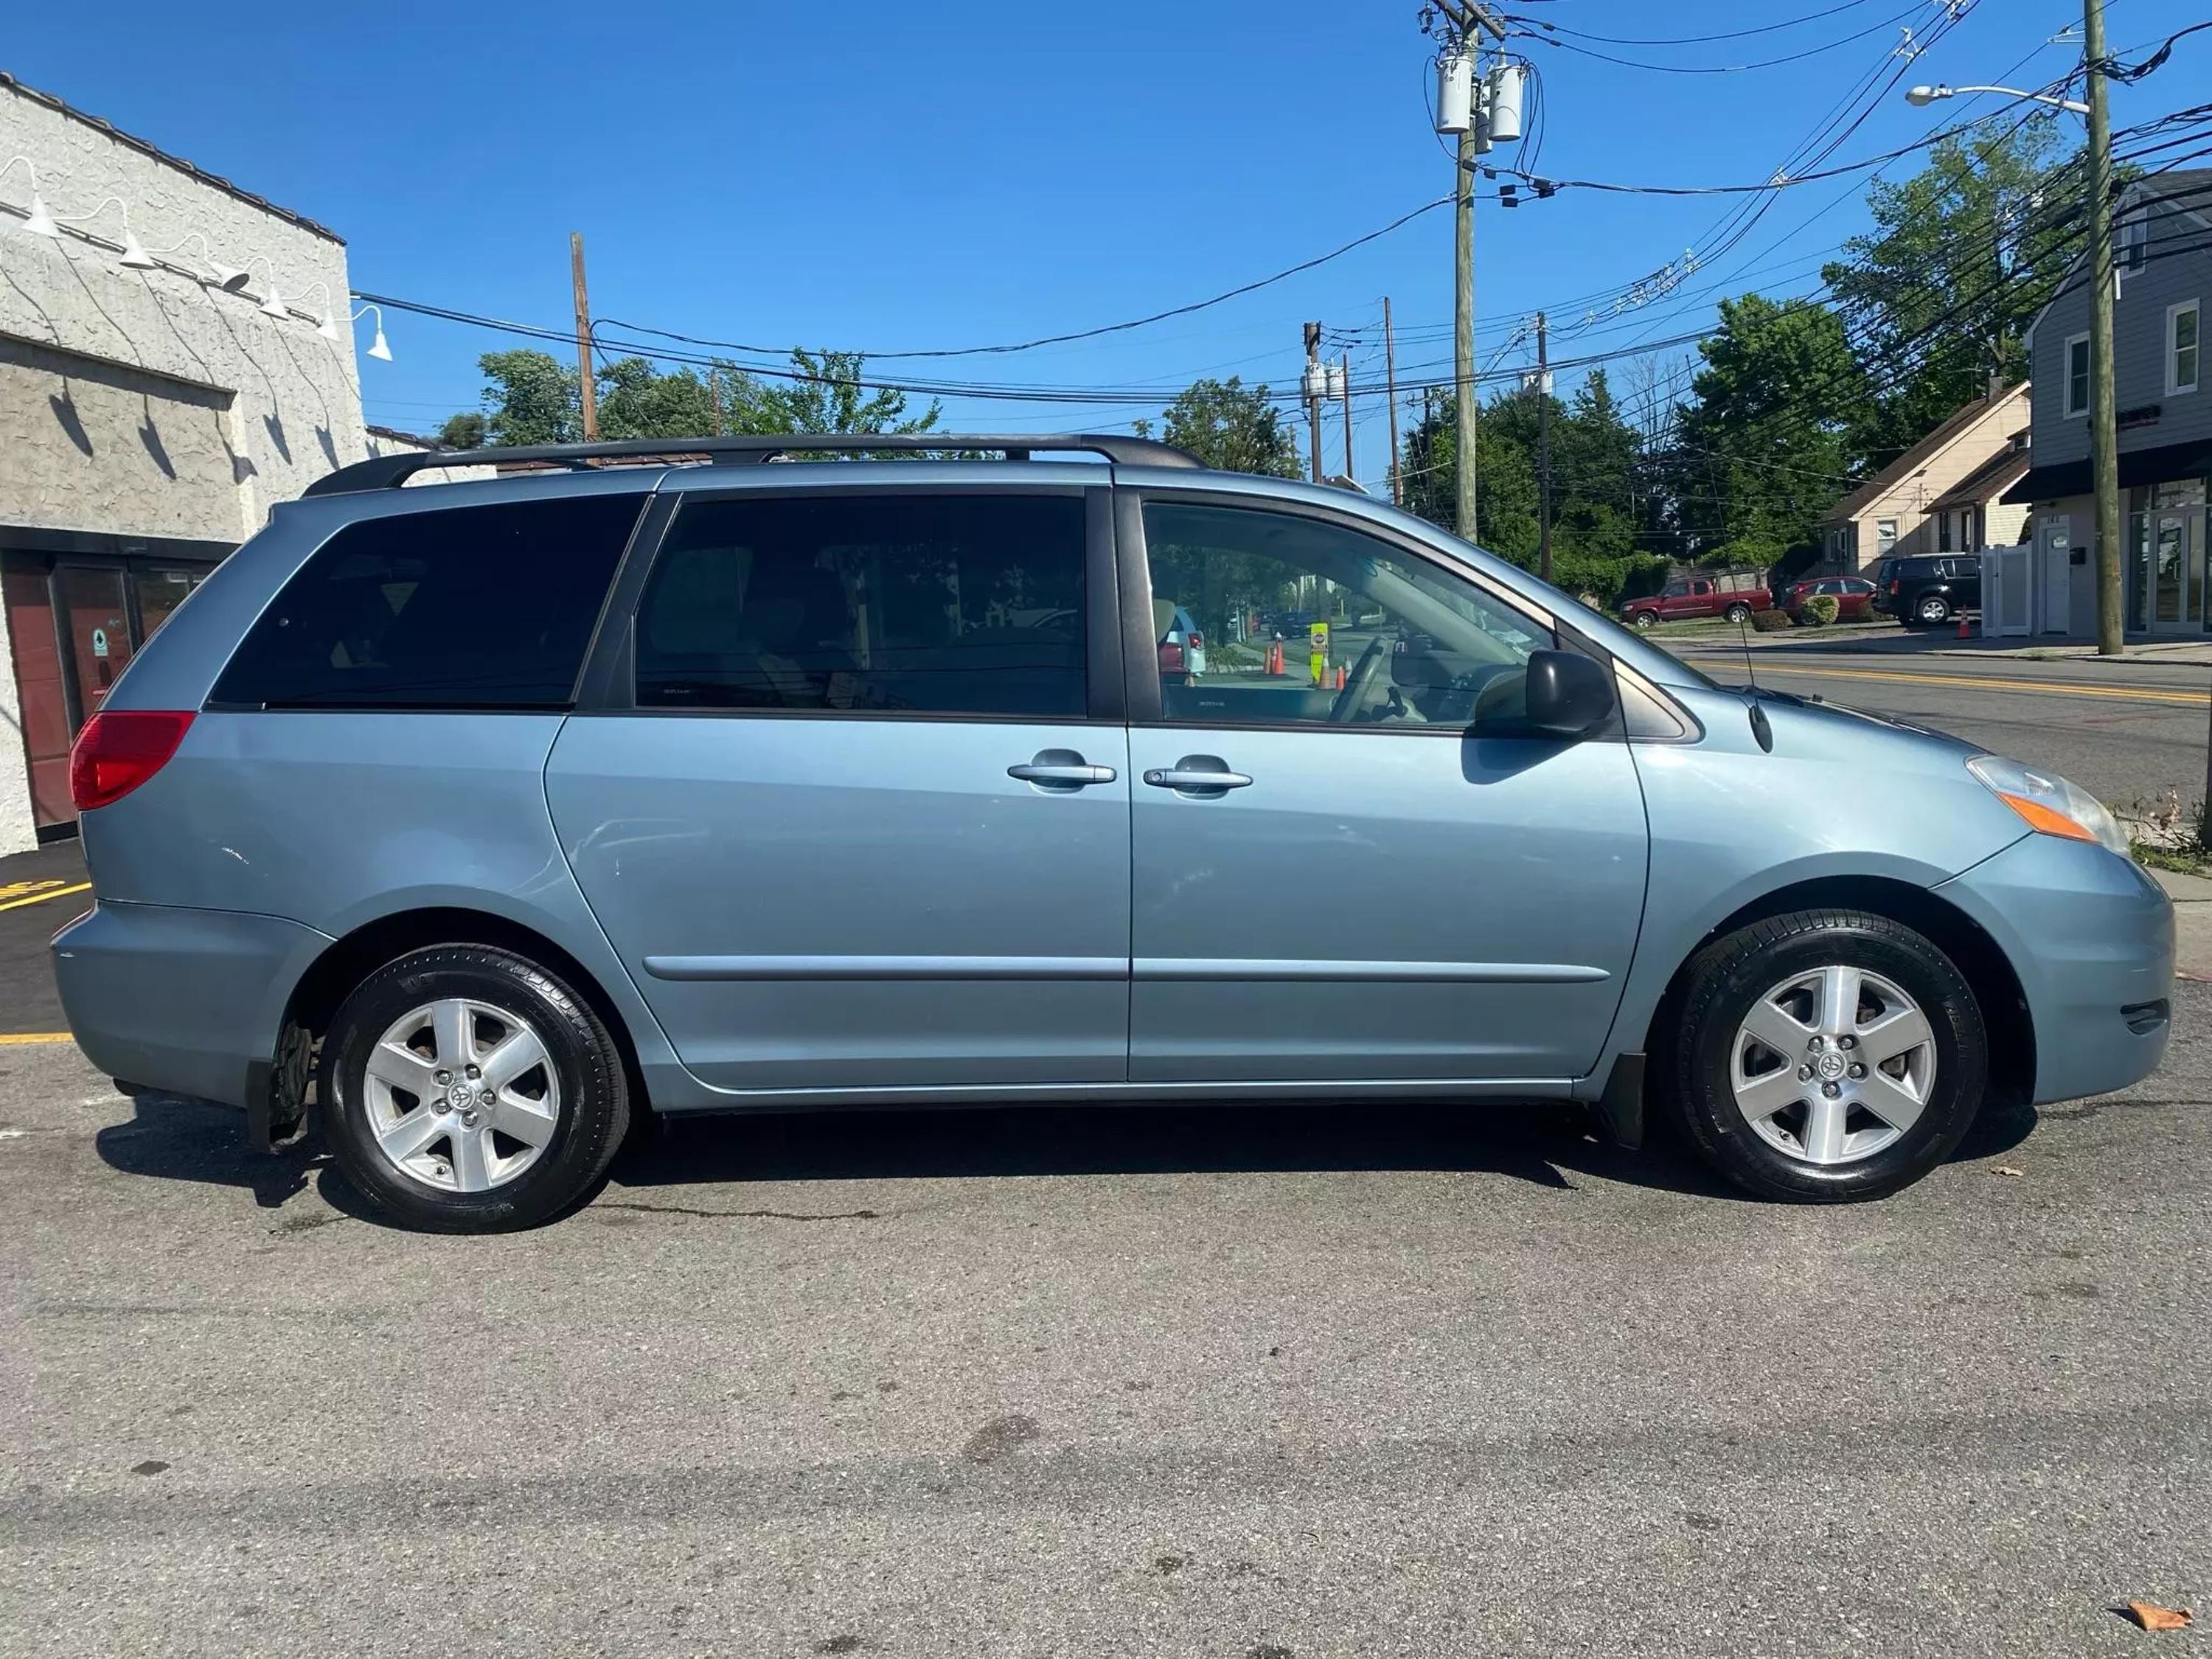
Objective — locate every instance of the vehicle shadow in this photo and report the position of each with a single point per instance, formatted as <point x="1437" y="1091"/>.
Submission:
<point x="1545" y="1143"/>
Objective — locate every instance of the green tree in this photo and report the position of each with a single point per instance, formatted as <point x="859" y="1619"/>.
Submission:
<point x="463" y="431"/>
<point x="1233" y="428"/>
<point x="1940" y="292"/>
<point x="1763" y="445"/>
<point x="826" y="396"/>
<point x="529" y="398"/>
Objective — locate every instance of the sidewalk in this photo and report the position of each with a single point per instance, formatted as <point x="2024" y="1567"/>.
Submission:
<point x="2192" y="923"/>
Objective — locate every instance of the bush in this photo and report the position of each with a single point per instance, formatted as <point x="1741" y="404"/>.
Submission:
<point x="1821" y="610"/>
<point x="1769" y="621"/>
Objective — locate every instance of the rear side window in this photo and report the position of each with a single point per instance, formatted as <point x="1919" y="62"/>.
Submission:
<point x="472" y="607"/>
<point x="861" y="604"/>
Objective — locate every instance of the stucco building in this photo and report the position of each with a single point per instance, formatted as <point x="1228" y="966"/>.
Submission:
<point x="154" y="404"/>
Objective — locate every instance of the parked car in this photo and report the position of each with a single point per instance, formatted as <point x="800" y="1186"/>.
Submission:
<point x="1854" y="597"/>
<point x="1928" y="590"/>
<point x="1695" y="596"/>
<point x="1183" y="645"/>
<point x="475" y="819"/>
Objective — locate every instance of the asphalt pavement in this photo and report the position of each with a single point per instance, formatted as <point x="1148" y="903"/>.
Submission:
<point x="2125" y="731"/>
<point x="1249" y="1383"/>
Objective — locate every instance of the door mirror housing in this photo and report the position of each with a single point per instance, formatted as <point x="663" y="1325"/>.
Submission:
<point x="1562" y="694"/>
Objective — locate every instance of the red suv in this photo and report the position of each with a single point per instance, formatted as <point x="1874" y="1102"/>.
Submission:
<point x="1695" y="596"/>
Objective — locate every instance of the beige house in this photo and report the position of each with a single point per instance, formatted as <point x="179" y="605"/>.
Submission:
<point x="1941" y="496"/>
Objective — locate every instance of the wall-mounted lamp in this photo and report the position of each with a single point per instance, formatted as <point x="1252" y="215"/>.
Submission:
<point x="40" y="222"/>
<point x="328" y="328"/>
<point x="377" y="349"/>
<point x="135" y="257"/>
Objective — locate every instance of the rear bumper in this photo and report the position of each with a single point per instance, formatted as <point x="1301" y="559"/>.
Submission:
<point x="183" y="1000"/>
<point x="2091" y="938"/>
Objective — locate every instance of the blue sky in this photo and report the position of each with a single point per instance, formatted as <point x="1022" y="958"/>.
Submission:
<point x="910" y="177"/>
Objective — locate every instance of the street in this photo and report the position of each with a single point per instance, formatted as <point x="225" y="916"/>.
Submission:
<point x="1237" y="1382"/>
<point x="2125" y="731"/>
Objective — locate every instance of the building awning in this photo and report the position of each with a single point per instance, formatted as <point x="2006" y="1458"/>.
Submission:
<point x="2166" y="463"/>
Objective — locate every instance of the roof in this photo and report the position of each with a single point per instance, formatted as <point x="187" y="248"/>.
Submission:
<point x="1913" y="458"/>
<point x="2188" y="190"/>
<point x="395" y="435"/>
<point x="63" y="106"/>
<point x="2001" y="471"/>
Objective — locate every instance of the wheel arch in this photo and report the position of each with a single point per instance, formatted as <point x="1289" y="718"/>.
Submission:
<point x="354" y="955"/>
<point x="1988" y="970"/>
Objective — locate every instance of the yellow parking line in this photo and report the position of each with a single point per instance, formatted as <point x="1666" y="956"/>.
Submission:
<point x="1976" y="682"/>
<point x="41" y="898"/>
<point x="18" y="1038"/>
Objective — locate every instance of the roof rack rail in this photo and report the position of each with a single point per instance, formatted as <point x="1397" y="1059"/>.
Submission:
<point x="386" y="472"/>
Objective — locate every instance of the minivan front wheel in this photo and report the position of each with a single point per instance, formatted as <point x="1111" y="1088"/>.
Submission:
<point x="469" y="1089"/>
<point x="1827" y="1055"/>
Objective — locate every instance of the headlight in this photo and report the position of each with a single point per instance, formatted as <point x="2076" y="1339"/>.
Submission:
<point x="2048" y="803"/>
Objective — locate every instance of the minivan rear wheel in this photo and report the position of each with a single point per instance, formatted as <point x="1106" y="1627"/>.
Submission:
<point x="1933" y="611"/>
<point x="470" y="1090"/>
<point x="1827" y="1055"/>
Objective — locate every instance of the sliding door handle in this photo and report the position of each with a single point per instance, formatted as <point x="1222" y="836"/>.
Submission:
<point x="1197" y="774"/>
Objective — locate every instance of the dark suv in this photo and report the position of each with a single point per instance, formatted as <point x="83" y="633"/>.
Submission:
<point x="1928" y="591"/>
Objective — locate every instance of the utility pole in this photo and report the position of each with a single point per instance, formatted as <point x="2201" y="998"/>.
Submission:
<point x="1390" y="393"/>
<point x="1316" y="388"/>
<point x="1348" y="472"/>
<point x="2104" y="432"/>
<point x="715" y="391"/>
<point x="1467" y="17"/>
<point x="1543" y="452"/>
<point x="586" y="385"/>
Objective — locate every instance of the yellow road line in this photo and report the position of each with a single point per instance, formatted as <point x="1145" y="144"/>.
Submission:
<point x="18" y="1038"/>
<point x="41" y="898"/>
<point x="1975" y="681"/>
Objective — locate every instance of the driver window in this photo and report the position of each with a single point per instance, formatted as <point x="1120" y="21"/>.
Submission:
<point x="1305" y="622"/>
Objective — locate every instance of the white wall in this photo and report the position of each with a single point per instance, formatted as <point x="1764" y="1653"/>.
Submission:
<point x="154" y="402"/>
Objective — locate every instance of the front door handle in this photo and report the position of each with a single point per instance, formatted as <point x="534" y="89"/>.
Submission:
<point x="1060" y="769"/>
<point x="1197" y="774"/>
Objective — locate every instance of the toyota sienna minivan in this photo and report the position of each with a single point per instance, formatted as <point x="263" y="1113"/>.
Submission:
<point x="475" y="819"/>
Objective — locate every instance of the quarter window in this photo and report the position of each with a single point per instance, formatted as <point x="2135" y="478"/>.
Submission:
<point x="869" y="605"/>
<point x="1312" y="623"/>
<point x="468" y="607"/>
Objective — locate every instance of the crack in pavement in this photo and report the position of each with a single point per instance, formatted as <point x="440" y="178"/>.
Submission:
<point x="744" y="1215"/>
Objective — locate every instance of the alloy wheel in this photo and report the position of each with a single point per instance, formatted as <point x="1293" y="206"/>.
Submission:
<point x="462" y="1095"/>
<point x="1833" y="1065"/>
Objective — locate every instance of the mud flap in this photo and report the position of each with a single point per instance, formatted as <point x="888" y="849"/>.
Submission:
<point x="1620" y="1107"/>
<point x="276" y="1094"/>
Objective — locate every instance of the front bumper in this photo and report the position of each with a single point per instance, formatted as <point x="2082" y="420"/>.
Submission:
<point x="2091" y="938"/>
<point x="182" y="1000"/>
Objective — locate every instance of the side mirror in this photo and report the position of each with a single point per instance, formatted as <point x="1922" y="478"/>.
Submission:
<point x="1564" y="694"/>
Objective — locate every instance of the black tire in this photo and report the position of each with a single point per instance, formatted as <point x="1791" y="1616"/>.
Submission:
<point x="1737" y="613"/>
<point x="1726" y="976"/>
<point x="1644" y="619"/>
<point x="594" y="1111"/>
<point x="1931" y="610"/>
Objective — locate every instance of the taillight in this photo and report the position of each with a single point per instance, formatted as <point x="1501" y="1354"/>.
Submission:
<point x="1893" y="587"/>
<point x="1197" y="641"/>
<point x="120" y="748"/>
<point x="1170" y="657"/>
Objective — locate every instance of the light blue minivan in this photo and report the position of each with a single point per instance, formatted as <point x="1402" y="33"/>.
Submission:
<point x="474" y="816"/>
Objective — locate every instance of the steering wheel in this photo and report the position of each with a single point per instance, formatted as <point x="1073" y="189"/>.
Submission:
<point x="1357" y="683"/>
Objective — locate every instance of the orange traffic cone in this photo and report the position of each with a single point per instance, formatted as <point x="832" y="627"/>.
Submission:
<point x="1965" y="630"/>
<point x="1275" y="658"/>
<point x="1342" y="675"/>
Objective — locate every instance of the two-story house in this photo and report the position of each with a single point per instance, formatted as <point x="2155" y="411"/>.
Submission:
<point x="2163" y="274"/>
<point x="1941" y="496"/>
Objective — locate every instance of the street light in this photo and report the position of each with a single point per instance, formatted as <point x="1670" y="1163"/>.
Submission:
<point x="2104" y="426"/>
<point x="1921" y="97"/>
